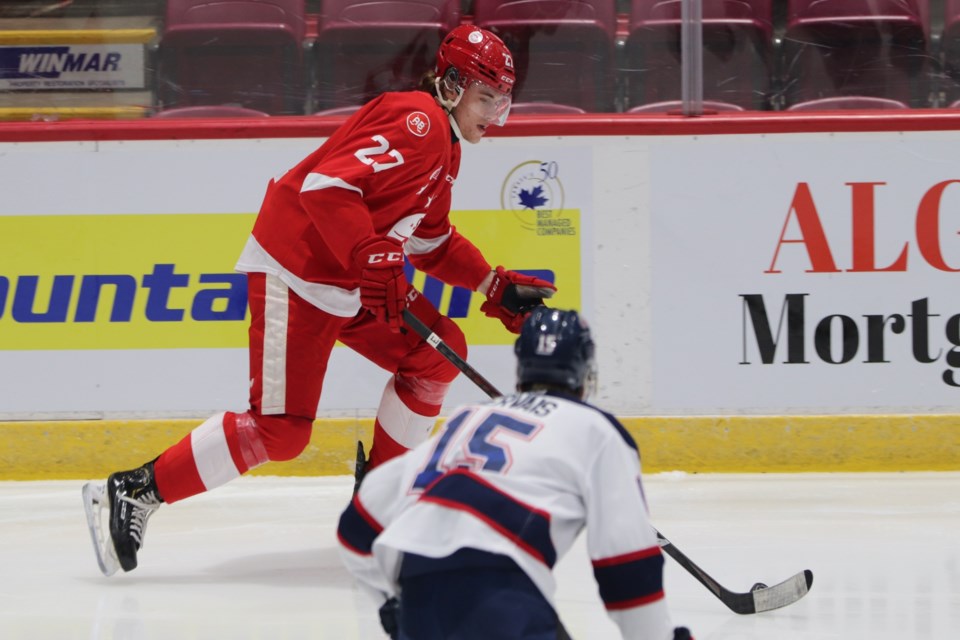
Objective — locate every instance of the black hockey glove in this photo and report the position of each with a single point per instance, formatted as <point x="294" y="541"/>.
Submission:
<point x="390" y="618"/>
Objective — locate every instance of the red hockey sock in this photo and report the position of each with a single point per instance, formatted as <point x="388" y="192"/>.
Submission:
<point x="384" y="447"/>
<point x="224" y="447"/>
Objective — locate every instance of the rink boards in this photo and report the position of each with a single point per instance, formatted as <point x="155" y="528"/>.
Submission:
<point x="37" y="450"/>
<point x="774" y="298"/>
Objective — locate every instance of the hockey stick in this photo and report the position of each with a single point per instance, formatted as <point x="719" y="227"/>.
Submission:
<point x="760" y="598"/>
<point x="437" y="343"/>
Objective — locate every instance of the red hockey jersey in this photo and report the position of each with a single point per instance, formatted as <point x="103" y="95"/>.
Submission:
<point x="387" y="171"/>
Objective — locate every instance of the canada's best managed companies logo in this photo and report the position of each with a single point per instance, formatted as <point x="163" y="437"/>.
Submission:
<point x="534" y="192"/>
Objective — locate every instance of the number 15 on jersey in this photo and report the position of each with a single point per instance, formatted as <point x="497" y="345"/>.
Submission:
<point x="475" y="439"/>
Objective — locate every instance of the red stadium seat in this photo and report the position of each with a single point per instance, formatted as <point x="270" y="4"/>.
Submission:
<point x="848" y="102"/>
<point x="856" y="48"/>
<point x="676" y="106"/>
<point x="247" y="53"/>
<point x="211" y="111"/>
<point x="737" y="52"/>
<point x="563" y="49"/>
<point x="524" y="108"/>
<point x="366" y="47"/>
<point x="950" y="46"/>
<point x="339" y="111"/>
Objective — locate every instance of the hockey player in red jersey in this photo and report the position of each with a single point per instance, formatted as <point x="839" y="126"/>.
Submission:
<point x="325" y="263"/>
<point x="458" y="538"/>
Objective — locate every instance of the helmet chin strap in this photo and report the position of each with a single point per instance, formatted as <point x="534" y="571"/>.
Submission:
<point x="449" y="106"/>
<point x="455" y="126"/>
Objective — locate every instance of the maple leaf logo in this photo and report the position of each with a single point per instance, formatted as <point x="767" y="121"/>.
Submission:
<point x="532" y="198"/>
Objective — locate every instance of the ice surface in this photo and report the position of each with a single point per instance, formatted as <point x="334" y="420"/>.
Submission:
<point x="257" y="559"/>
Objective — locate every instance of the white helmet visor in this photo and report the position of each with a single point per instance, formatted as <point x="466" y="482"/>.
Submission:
<point x="488" y="103"/>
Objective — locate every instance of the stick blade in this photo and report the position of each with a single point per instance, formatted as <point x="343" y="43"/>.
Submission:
<point x="781" y="595"/>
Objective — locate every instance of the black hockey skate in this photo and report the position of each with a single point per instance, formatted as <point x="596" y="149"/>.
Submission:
<point x="132" y="497"/>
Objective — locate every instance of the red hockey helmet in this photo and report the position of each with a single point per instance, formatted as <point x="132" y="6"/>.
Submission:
<point x="476" y="54"/>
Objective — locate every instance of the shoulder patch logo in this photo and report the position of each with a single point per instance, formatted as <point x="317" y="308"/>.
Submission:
<point x="418" y="123"/>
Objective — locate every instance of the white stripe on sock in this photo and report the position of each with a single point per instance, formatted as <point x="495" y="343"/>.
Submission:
<point x="401" y="423"/>
<point x="211" y="453"/>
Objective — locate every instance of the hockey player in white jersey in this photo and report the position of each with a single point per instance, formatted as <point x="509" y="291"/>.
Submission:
<point x="458" y="537"/>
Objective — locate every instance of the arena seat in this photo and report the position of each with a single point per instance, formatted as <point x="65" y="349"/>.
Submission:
<point x="676" y="106"/>
<point x="737" y="52"/>
<point x="848" y="102"/>
<point x="539" y="108"/>
<point x="247" y="53"/>
<point x="210" y="111"/>
<point x="563" y="49"/>
<point x="855" y="48"/>
<point x="950" y="48"/>
<point x="366" y="47"/>
<point x="339" y="111"/>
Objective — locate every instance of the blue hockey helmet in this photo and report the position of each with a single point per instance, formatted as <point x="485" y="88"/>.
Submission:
<point x="555" y="349"/>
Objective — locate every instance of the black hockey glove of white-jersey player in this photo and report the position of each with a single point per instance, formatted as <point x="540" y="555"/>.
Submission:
<point x="390" y="618"/>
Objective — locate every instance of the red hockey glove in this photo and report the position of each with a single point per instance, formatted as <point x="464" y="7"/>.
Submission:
<point x="512" y="296"/>
<point x="383" y="286"/>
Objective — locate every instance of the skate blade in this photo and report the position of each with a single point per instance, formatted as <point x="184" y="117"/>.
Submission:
<point x="93" y="505"/>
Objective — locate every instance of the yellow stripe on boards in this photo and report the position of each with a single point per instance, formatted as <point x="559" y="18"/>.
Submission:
<point x="76" y="36"/>
<point x="49" y="450"/>
<point x="786" y="444"/>
<point x="70" y="113"/>
<point x="80" y="449"/>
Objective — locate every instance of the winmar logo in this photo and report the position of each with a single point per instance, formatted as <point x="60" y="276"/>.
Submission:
<point x="50" y="63"/>
<point x="19" y="299"/>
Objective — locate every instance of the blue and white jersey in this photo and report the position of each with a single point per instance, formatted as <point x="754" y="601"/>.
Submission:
<point x="519" y="476"/>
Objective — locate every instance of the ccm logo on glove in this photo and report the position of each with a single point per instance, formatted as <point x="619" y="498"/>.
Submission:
<point x="383" y="285"/>
<point x="389" y="257"/>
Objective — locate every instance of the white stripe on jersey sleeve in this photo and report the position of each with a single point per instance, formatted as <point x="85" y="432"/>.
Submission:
<point x="415" y="245"/>
<point x="317" y="181"/>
